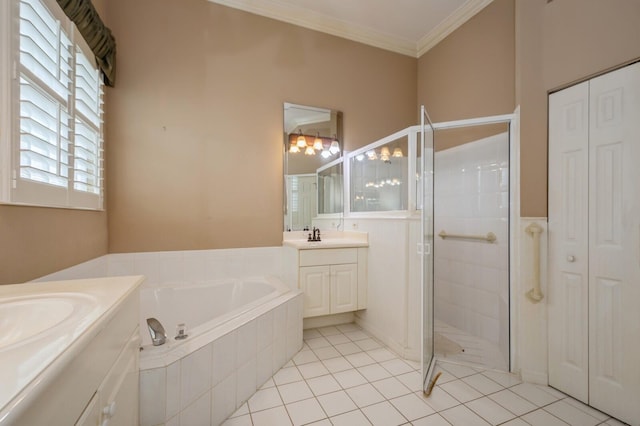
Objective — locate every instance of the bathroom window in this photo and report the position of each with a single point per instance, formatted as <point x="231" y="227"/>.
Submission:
<point x="53" y="153"/>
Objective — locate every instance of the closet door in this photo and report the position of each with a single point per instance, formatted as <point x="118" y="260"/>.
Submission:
<point x="568" y="291"/>
<point x="614" y="244"/>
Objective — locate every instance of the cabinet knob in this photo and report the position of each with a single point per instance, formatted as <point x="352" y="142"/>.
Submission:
<point x="109" y="410"/>
<point x="571" y="259"/>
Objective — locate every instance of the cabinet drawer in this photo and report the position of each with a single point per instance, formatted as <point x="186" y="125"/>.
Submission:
<point x="320" y="257"/>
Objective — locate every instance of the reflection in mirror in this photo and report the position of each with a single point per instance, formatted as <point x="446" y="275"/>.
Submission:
<point x="312" y="167"/>
<point x="379" y="178"/>
<point x="330" y="184"/>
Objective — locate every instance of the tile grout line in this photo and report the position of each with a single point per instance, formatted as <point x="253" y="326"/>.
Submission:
<point x="411" y="370"/>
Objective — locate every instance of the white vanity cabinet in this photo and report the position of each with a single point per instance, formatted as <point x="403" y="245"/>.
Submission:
<point x="100" y="385"/>
<point x="92" y="375"/>
<point x="333" y="280"/>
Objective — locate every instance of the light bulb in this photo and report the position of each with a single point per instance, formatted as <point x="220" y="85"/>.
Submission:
<point x="309" y="150"/>
<point x="335" y="147"/>
<point x="371" y="154"/>
<point x="317" y="143"/>
<point x="360" y="157"/>
<point x="325" y="153"/>
<point x="293" y="148"/>
<point x="397" y="152"/>
<point x="302" y="142"/>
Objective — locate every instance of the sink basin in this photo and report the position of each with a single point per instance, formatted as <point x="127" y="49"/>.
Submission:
<point x="325" y="243"/>
<point x="24" y="318"/>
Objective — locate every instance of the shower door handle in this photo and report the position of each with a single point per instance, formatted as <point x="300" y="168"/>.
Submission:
<point x="571" y="259"/>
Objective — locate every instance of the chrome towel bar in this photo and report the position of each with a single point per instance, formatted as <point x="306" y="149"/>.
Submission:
<point x="490" y="237"/>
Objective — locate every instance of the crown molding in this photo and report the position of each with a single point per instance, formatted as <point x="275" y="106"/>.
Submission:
<point x="319" y="22"/>
<point x="465" y="12"/>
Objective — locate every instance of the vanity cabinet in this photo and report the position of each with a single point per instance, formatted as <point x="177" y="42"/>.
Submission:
<point x="115" y="402"/>
<point x="333" y="280"/>
<point x="99" y="386"/>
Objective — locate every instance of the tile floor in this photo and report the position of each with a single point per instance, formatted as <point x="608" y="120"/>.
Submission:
<point x="476" y="350"/>
<point x="342" y="376"/>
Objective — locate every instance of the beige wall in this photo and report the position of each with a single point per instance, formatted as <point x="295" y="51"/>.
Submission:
<point x="38" y="241"/>
<point x="559" y="43"/>
<point x="471" y="72"/>
<point x="195" y="120"/>
<point x="513" y="53"/>
<point x="200" y="85"/>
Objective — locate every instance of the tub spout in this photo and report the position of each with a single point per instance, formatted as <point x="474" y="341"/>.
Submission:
<point x="158" y="335"/>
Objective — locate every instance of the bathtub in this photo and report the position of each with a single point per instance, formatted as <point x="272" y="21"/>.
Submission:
<point x="240" y="332"/>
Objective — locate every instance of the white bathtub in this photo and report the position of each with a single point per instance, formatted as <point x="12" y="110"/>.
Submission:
<point x="240" y="331"/>
<point x="203" y="306"/>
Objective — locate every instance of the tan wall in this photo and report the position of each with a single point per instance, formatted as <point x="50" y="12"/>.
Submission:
<point x="471" y="72"/>
<point x="559" y="43"/>
<point x="38" y="241"/>
<point x="195" y="120"/>
<point x="483" y="66"/>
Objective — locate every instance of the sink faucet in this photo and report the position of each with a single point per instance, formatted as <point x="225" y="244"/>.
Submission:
<point x="316" y="235"/>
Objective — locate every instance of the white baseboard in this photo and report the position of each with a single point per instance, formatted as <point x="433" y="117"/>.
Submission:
<point x="328" y="320"/>
<point x="536" y="377"/>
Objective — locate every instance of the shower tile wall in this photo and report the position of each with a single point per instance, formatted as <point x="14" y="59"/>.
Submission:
<point x="471" y="277"/>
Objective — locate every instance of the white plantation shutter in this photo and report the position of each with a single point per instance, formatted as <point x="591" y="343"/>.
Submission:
<point x="88" y="135"/>
<point x="58" y="160"/>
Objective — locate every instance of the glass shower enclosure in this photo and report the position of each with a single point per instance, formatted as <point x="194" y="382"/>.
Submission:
<point x="425" y="158"/>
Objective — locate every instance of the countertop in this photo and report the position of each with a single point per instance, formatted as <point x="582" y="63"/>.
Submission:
<point x="29" y="364"/>
<point x="329" y="239"/>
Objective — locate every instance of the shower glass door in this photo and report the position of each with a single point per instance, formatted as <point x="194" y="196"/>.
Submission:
<point x="426" y="178"/>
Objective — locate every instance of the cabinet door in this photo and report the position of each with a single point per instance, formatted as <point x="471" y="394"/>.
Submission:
<point x="344" y="288"/>
<point x="119" y="390"/>
<point x="91" y="415"/>
<point x="315" y="284"/>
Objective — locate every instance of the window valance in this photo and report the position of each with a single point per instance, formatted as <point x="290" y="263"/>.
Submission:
<point x="95" y="33"/>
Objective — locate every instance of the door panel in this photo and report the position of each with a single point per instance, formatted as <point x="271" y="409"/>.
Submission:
<point x="594" y="242"/>
<point x="344" y="288"/>
<point x="568" y="241"/>
<point x="614" y="270"/>
<point x="314" y="283"/>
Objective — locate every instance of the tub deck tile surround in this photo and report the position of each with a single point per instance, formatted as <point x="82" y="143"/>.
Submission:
<point x="376" y="387"/>
<point x="208" y="385"/>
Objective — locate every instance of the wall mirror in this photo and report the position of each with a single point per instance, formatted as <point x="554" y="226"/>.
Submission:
<point x="313" y="172"/>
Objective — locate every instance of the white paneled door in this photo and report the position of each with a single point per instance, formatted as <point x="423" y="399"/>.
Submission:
<point x="568" y="296"/>
<point x="594" y="242"/>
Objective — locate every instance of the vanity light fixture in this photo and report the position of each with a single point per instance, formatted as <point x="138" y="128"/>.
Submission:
<point x="335" y="146"/>
<point x="397" y="152"/>
<point x="301" y="141"/>
<point x="309" y="150"/>
<point x="317" y="144"/>
<point x="385" y="154"/>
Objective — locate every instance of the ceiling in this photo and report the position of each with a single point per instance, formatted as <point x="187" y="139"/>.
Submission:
<point x="409" y="27"/>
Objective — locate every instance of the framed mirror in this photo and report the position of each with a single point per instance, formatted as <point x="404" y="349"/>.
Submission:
<point x="313" y="172"/>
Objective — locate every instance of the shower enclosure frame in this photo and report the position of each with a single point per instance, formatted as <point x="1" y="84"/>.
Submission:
<point x="513" y="122"/>
<point x="414" y="209"/>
